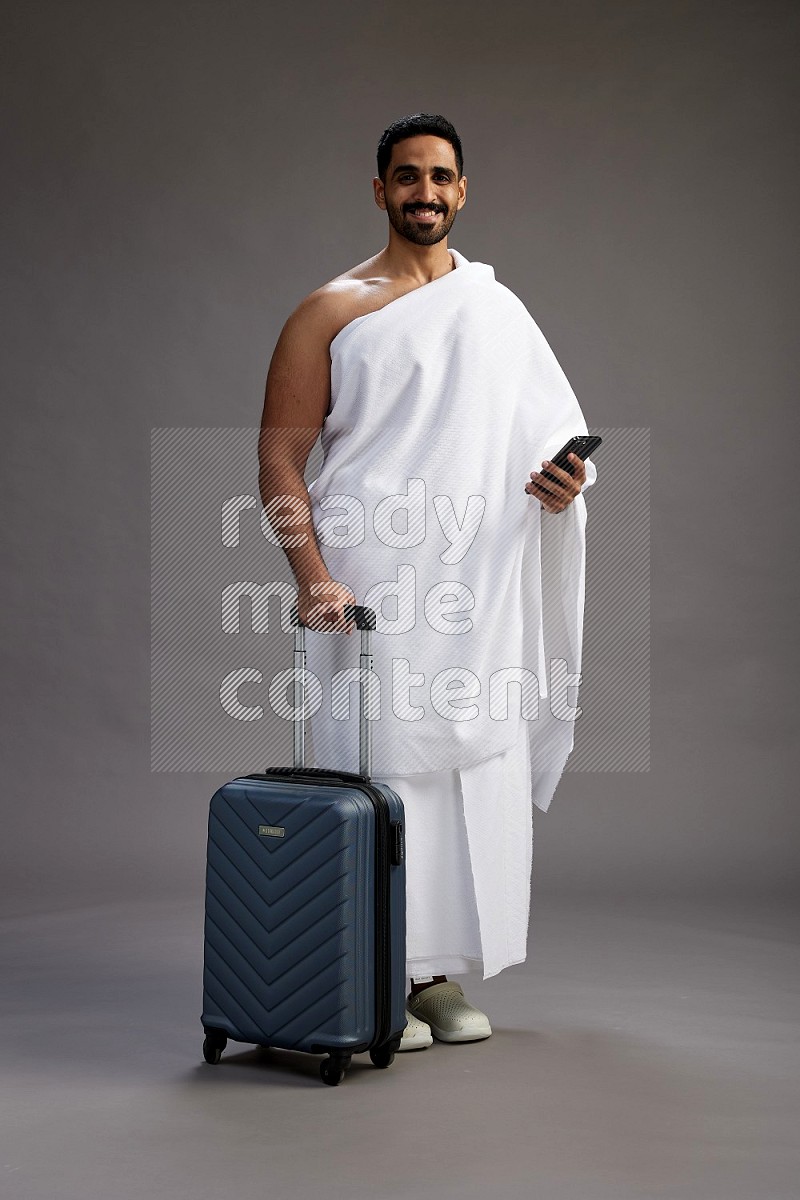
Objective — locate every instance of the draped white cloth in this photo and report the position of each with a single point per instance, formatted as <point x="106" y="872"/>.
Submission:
<point x="442" y="403"/>
<point x="468" y="864"/>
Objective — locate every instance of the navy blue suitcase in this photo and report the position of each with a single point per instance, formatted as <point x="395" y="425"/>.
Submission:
<point x="305" y="918"/>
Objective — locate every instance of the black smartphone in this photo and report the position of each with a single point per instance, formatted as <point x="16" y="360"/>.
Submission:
<point x="583" y="445"/>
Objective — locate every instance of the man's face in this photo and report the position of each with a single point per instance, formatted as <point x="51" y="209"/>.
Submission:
<point x="422" y="193"/>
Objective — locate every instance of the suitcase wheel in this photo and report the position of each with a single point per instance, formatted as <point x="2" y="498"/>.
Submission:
<point x="213" y="1045"/>
<point x="332" y="1069"/>
<point x="384" y="1056"/>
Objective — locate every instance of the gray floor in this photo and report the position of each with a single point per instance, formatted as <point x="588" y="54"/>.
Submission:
<point x="644" y="1050"/>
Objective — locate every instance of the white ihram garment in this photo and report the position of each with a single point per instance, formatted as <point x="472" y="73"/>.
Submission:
<point x="469" y="852"/>
<point x="442" y="403"/>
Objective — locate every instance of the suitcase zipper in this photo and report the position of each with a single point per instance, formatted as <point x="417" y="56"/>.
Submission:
<point x="383" y="855"/>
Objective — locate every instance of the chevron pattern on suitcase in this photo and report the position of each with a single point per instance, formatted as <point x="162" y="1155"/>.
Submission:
<point x="289" y="931"/>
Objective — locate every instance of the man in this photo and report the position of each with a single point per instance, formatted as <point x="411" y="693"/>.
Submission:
<point x="425" y="375"/>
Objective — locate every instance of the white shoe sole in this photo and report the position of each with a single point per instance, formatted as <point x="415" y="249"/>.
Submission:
<point x="461" y="1035"/>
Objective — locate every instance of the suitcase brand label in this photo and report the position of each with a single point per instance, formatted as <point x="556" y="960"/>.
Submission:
<point x="271" y="831"/>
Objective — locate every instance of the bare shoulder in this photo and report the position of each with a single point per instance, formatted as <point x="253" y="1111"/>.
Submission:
<point x="326" y="310"/>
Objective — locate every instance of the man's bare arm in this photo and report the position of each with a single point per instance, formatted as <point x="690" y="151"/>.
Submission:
<point x="296" y="402"/>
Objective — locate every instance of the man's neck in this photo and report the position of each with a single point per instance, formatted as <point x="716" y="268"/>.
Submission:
<point x="422" y="264"/>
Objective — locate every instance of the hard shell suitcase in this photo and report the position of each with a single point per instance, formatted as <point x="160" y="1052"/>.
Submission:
<point x="305" y="917"/>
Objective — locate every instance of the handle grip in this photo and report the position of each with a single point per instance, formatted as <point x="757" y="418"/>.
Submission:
<point x="364" y="617"/>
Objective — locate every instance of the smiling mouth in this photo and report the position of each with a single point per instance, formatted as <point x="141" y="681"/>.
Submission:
<point x="426" y="214"/>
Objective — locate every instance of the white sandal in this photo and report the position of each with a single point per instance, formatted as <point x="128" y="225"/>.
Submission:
<point x="450" y="1017"/>
<point x="416" y="1035"/>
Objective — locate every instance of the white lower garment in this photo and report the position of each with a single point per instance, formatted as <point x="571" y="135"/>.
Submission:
<point x="469" y="855"/>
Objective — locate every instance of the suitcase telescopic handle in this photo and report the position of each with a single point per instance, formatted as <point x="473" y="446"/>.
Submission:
<point x="364" y="619"/>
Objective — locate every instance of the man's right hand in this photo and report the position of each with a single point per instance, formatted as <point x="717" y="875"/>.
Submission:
<point x="320" y="606"/>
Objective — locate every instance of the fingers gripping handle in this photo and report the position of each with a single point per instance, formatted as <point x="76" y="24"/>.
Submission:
<point x="364" y="619"/>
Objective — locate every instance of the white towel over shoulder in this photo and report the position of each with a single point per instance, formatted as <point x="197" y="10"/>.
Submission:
<point x="442" y="403"/>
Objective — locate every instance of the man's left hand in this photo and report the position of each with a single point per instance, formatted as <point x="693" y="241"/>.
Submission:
<point x="555" y="497"/>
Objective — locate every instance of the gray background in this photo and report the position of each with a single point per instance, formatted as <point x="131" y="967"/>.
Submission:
<point x="177" y="177"/>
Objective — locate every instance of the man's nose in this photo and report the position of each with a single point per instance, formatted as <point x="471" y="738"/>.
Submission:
<point x="426" y="193"/>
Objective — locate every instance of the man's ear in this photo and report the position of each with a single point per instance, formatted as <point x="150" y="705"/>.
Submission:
<point x="380" y="195"/>
<point x="462" y="183"/>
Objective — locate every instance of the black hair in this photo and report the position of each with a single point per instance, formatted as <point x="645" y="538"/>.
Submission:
<point x="419" y="123"/>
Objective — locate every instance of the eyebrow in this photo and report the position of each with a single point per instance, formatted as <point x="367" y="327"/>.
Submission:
<point x="434" y="170"/>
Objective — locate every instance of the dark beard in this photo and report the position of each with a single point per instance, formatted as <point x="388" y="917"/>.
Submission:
<point x="420" y="235"/>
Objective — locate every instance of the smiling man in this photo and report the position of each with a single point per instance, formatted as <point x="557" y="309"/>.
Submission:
<point x="436" y="394"/>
